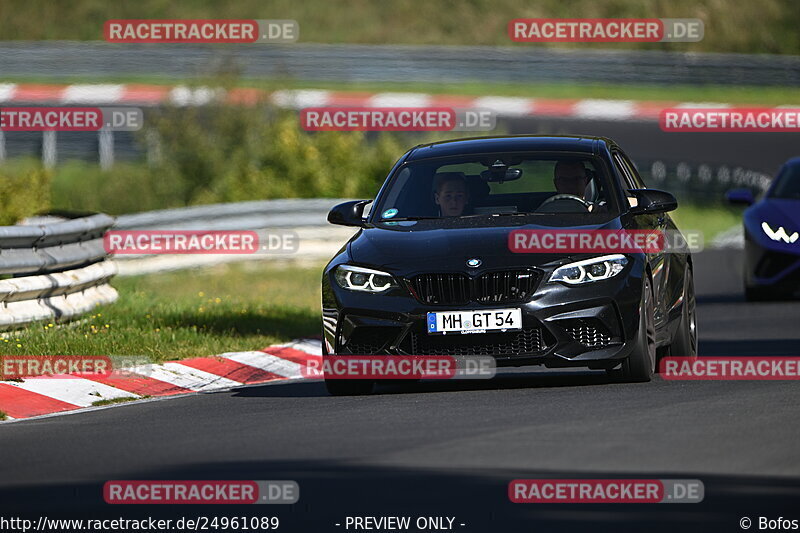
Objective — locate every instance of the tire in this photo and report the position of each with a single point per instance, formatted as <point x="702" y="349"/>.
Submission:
<point x="346" y="387"/>
<point x="640" y="365"/>
<point x="349" y="387"/>
<point x="684" y="343"/>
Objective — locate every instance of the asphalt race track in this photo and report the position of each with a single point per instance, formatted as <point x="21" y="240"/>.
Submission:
<point x="644" y="140"/>
<point x="452" y="448"/>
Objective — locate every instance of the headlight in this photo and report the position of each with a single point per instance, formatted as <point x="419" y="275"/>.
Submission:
<point x="780" y="234"/>
<point x="594" y="269"/>
<point x="363" y="279"/>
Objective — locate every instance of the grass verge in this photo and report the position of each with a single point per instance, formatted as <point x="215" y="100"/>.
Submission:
<point x="112" y="401"/>
<point x="710" y="220"/>
<point x="743" y="95"/>
<point x="176" y="315"/>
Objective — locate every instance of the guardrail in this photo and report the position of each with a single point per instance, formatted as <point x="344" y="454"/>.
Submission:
<point x="306" y="219"/>
<point x="398" y="63"/>
<point x="59" y="270"/>
<point x="284" y="213"/>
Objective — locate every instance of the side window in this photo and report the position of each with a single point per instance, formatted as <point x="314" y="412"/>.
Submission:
<point x="624" y="170"/>
<point x="637" y="179"/>
<point x="628" y="174"/>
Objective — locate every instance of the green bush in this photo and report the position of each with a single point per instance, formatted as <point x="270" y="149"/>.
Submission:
<point x="125" y="188"/>
<point x="24" y="190"/>
<point x="218" y="154"/>
<point x="229" y="154"/>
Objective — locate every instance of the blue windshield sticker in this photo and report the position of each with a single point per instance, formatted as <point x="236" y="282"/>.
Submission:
<point x="389" y="213"/>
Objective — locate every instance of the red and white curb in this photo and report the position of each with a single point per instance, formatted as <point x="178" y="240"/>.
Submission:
<point x="151" y="95"/>
<point x="39" y="396"/>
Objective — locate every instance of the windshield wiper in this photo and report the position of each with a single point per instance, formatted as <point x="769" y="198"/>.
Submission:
<point x="498" y="215"/>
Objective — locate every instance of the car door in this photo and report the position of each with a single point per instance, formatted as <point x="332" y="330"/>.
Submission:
<point x="659" y="262"/>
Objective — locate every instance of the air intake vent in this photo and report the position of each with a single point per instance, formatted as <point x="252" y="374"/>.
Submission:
<point x="504" y="286"/>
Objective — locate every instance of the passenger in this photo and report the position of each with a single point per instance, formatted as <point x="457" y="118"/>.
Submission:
<point x="451" y="194"/>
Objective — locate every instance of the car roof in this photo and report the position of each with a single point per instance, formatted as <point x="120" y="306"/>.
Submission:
<point x="510" y="143"/>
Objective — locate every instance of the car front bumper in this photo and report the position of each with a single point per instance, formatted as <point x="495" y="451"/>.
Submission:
<point x="592" y="325"/>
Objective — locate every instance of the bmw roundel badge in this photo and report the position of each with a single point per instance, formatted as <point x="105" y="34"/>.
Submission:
<point x="474" y="262"/>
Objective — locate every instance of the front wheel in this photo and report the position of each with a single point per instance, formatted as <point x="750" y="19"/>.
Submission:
<point x="346" y="387"/>
<point x="684" y="344"/>
<point x="641" y="363"/>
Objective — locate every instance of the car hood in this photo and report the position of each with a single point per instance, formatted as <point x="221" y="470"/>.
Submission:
<point x="416" y="244"/>
<point x="777" y="212"/>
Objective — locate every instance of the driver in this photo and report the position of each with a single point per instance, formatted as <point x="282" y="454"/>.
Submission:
<point x="451" y="193"/>
<point x="570" y="177"/>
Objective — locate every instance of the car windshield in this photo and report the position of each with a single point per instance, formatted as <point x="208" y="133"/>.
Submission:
<point x="497" y="184"/>
<point x="787" y="183"/>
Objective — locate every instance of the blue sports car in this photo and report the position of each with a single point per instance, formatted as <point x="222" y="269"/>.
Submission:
<point x="772" y="236"/>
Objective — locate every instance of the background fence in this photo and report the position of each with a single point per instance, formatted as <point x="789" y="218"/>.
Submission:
<point x="393" y="63"/>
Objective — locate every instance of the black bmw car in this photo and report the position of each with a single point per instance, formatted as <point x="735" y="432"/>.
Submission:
<point x="432" y="272"/>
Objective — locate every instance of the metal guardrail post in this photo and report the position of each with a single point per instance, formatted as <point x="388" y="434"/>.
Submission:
<point x="49" y="154"/>
<point x="105" y="148"/>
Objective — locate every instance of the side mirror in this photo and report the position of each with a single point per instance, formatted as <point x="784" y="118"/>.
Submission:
<point x="348" y="213"/>
<point x="740" y="196"/>
<point x="652" y="201"/>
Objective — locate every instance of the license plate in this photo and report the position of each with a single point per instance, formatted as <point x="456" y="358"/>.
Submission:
<point x="476" y="321"/>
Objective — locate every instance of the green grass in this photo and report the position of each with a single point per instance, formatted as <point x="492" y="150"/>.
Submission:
<point x="710" y="220"/>
<point x="112" y="401"/>
<point x="236" y="307"/>
<point x="744" y="95"/>
<point x="3" y="416"/>
<point x="766" y="26"/>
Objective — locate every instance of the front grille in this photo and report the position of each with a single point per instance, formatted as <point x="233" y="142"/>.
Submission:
<point x="503" y="286"/>
<point x="513" y="343"/>
<point x="442" y="288"/>
<point x="369" y="340"/>
<point x="589" y="332"/>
